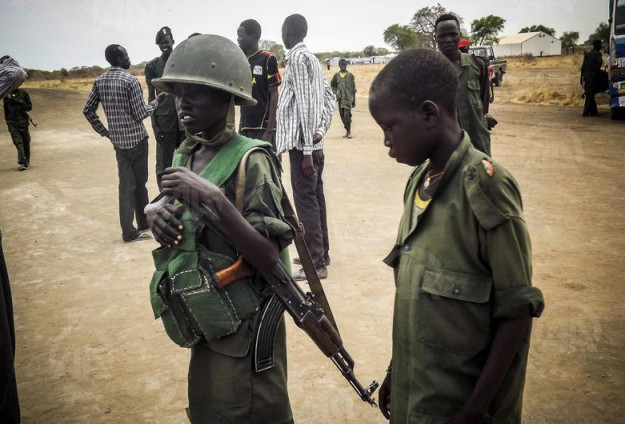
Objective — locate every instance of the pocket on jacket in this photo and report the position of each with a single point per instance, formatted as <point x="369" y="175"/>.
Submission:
<point x="454" y="311"/>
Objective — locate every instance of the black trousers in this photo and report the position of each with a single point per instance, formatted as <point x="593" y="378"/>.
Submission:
<point x="9" y="403"/>
<point x="132" y="169"/>
<point x="310" y="205"/>
<point x="590" y="104"/>
<point x="21" y="139"/>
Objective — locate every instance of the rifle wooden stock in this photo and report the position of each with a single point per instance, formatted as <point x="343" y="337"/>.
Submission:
<point x="238" y="270"/>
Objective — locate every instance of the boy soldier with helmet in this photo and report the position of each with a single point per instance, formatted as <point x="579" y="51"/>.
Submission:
<point x="247" y="220"/>
<point x="462" y="259"/>
<point x="168" y="131"/>
<point x="259" y="121"/>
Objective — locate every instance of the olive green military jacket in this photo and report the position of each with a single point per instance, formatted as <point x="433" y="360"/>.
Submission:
<point x="165" y="116"/>
<point x="345" y="89"/>
<point x="471" y="104"/>
<point x="465" y="265"/>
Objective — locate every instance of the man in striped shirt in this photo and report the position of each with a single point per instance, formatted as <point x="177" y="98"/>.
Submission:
<point x="305" y="108"/>
<point x="122" y="100"/>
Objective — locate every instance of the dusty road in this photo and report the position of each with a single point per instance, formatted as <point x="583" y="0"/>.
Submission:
<point x="89" y="351"/>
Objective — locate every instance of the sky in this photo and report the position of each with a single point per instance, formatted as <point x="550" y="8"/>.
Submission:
<point x="54" y="34"/>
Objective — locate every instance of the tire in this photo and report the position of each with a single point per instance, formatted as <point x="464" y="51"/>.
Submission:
<point x="498" y="79"/>
<point x="616" y="113"/>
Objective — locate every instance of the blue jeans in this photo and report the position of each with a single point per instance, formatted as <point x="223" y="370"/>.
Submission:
<point x="132" y="169"/>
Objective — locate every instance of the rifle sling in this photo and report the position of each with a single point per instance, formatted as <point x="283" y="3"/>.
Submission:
<point x="304" y="254"/>
<point x="307" y="264"/>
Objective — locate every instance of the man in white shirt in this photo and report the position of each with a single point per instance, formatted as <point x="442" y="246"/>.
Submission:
<point x="305" y="108"/>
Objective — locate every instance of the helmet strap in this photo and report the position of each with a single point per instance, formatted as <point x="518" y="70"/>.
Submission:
<point x="218" y="140"/>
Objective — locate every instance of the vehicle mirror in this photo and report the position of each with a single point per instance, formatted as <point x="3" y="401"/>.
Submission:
<point x="491" y="57"/>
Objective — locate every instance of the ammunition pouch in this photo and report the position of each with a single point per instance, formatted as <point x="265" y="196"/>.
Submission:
<point x="184" y="296"/>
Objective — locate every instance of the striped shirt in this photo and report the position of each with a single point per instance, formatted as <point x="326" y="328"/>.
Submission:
<point x="305" y="103"/>
<point x="122" y="99"/>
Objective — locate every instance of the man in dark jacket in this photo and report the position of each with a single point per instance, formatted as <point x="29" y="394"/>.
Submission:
<point x="168" y="131"/>
<point x="17" y="104"/>
<point x="589" y="78"/>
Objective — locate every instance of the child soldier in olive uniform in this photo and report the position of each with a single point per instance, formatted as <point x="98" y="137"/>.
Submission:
<point x="168" y="131"/>
<point x="17" y="104"/>
<point x="344" y="87"/>
<point x="462" y="259"/>
<point x="219" y="324"/>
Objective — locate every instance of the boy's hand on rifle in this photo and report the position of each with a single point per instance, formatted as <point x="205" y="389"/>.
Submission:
<point x="384" y="397"/>
<point x="165" y="225"/>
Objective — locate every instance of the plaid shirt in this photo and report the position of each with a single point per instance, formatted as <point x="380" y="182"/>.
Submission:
<point x="305" y="104"/>
<point x="122" y="100"/>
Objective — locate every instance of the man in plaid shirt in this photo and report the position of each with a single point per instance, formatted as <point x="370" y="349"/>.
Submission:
<point x="122" y="99"/>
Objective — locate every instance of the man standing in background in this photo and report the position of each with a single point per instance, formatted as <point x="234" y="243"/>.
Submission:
<point x="122" y="99"/>
<point x="344" y="87"/>
<point x="259" y="121"/>
<point x="168" y="131"/>
<point x="589" y="78"/>
<point x="473" y="95"/>
<point x="305" y="109"/>
<point x="17" y="104"/>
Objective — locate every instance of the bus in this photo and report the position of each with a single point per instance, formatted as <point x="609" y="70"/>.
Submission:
<point x="616" y="69"/>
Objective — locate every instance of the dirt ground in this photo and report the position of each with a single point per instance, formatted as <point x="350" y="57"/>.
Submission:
<point x="89" y="350"/>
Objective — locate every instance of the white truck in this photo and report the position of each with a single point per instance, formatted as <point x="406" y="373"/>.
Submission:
<point x="498" y="66"/>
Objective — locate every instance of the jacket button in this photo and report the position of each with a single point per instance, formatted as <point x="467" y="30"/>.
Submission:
<point x="406" y="247"/>
<point x="456" y="290"/>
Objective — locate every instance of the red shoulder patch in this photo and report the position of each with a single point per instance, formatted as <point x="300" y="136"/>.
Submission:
<point x="488" y="167"/>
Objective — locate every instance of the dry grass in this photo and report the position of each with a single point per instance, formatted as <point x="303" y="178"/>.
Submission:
<point x="542" y="80"/>
<point x="539" y="80"/>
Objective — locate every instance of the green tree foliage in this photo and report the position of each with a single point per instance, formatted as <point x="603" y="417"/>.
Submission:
<point x="601" y="33"/>
<point x="400" y="37"/>
<point x="423" y="23"/>
<point x="369" y="51"/>
<point x="274" y="48"/>
<point x="536" y="28"/>
<point x="485" y="30"/>
<point x="569" y="39"/>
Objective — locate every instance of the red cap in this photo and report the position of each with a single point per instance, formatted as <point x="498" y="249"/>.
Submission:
<point x="463" y="43"/>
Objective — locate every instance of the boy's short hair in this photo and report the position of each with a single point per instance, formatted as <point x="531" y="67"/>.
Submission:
<point x="416" y="75"/>
<point x="297" y="24"/>
<point x="446" y="17"/>
<point x="111" y="53"/>
<point x="252" y="27"/>
<point x="596" y="44"/>
<point x="342" y="61"/>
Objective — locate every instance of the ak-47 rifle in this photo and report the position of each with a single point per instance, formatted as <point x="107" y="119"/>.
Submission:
<point x="311" y="312"/>
<point x="307" y="314"/>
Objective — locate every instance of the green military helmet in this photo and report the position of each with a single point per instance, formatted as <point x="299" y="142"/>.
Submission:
<point x="210" y="60"/>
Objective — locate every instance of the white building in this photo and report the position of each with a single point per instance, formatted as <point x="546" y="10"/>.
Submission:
<point x="534" y="43"/>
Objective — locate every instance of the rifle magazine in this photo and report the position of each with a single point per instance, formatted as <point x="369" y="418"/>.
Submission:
<point x="265" y="336"/>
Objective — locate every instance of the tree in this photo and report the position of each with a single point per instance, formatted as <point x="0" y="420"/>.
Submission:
<point x="569" y="39"/>
<point x="369" y="51"/>
<point x="274" y="48"/>
<point x="400" y="37"/>
<point x="601" y="33"/>
<point x="485" y="30"/>
<point x="537" y="28"/>
<point x="424" y="20"/>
